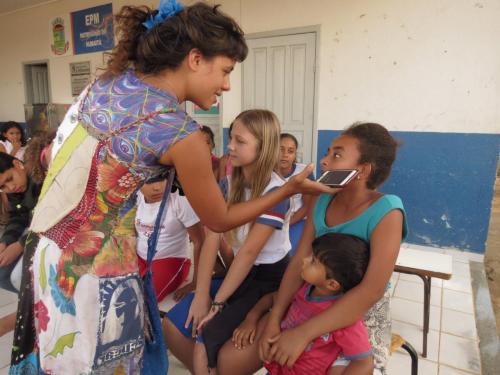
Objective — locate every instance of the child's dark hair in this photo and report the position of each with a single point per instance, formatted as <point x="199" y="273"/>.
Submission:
<point x="166" y="44"/>
<point x="207" y="130"/>
<point x="345" y="258"/>
<point x="6" y="162"/>
<point x="9" y="125"/>
<point x="290" y="136"/>
<point x="377" y="147"/>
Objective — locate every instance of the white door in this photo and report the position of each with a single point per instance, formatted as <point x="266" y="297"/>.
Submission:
<point x="278" y="75"/>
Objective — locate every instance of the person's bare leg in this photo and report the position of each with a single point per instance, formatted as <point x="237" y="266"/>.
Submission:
<point x="179" y="345"/>
<point x="200" y="362"/>
<point x="232" y="361"/>
<point x="7" y="324"/>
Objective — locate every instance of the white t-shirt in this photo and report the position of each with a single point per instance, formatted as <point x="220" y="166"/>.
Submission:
<point x="278" y="245"/>
<point x="296" y="201"/>
<point x="8" y="148"/>
<point x="173" y="239"/>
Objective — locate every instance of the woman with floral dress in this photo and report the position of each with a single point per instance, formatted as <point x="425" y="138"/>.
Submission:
<point x="81" y="308"/>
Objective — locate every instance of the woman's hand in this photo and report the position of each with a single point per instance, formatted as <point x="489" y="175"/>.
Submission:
<point x="198" y="310"/>
<point x="244" y="335"/>
<point x="300" y="183"/>
<point x="186" y="289"/>
<point x="288" y="347"/>
<point x="271" y="333"/>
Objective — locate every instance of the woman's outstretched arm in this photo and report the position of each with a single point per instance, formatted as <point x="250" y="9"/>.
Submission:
<point x="191" y="158"/>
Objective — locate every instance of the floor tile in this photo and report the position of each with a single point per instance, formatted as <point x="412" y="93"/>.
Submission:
<point x="458" y="283"/>
<point x="457" y="301"/>
<point x="414" y="336"/>
<point x="415" y="292"/>
<point x="445" y="370"/>
<point x="5" y="350"/>
<point x="175" y="367"/>
<point x="7" y="338"/>
<point x="464" y="256"/>
<point x="459" y="324"/>
<point x="413" y="312"/>
<point x="461" y="269"/>
<point x="400" y="363"/>
<point x="6" y="297"/>
<point x="459" y="352"/>
<point x="8" y="309"/>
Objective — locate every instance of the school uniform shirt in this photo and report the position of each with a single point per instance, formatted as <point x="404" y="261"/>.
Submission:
<point x="8" y="148"/>
<point x="296" y="200"/>
<point x="173" y="239"/>
<point x="319" y="355"/>
<point x="278" y="217"/>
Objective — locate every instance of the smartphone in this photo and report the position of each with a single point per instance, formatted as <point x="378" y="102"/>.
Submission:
<point x="338" y="177"/>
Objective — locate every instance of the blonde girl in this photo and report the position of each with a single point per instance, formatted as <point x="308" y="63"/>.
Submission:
<point x="260" y="249"/>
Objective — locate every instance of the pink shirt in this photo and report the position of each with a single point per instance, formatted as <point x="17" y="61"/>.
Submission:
<point x="317" y="358"/>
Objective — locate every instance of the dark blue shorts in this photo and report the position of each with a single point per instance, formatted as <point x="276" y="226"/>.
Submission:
<point x="179" y="313"/>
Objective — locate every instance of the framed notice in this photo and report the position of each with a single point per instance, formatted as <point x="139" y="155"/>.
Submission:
<point x="80" y="76"/>
<point x="60" y="36"/>
<point x="93" y="29"/>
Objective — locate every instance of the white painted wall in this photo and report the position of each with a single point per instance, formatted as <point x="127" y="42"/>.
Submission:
<point x="412" y="65"/>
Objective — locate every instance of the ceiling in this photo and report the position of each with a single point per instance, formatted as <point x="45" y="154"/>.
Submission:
<point x="8" y="6"/>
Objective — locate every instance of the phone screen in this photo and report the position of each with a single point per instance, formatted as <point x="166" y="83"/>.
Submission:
<point x="337" y="177"/>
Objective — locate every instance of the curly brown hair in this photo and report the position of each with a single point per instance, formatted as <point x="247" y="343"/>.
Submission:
<point x="165" y="45"/>
<point x="32" y="153"/>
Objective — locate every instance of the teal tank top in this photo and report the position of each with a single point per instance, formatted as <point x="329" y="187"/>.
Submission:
<point x="364" y="224"/>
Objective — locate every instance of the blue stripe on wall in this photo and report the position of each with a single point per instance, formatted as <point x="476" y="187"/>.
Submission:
<point x="446" y="182"/>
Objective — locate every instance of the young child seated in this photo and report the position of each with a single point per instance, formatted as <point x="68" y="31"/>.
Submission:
<point x="171" y="263"/>
<point x="338" y="264"/>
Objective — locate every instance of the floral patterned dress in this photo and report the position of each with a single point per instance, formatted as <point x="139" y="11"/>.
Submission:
<point x="81" y="308"/>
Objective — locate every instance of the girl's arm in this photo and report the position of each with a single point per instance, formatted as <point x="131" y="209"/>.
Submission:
<point x="302" y="211"/>
<point x="384" y="249"/>
<point x="196" y="234"/>
<point x="201" y="302"/>
<point x="243" y="261"/>
<point x="290" y="283"/>
<point x="191" y="158"/>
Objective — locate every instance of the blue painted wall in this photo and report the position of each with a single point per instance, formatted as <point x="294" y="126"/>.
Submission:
<point x="446" y="182"/>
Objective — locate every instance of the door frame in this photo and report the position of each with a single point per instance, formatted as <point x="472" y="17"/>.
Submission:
<point x="24" y="65"/>
<point x="316" y="29"/>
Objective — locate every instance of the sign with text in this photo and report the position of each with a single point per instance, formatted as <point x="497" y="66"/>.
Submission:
<point x="93" y="29"/>
<point x="80" y="76"/>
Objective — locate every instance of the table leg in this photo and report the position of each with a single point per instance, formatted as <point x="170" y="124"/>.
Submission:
<point x="427" y="307"/>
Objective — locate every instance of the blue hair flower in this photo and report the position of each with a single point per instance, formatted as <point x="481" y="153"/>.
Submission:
<point x="167" y="8"/>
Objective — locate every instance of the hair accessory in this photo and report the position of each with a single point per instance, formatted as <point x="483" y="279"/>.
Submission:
<point x="167" y="8"/>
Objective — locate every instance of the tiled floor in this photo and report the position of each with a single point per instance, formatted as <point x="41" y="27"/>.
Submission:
<point x="452" y="341"/>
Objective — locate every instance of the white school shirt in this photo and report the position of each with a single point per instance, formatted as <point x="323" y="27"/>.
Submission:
<point x="173" y="239"/>
<point x="8" y="148"/>
<point x="278" y="245"/>
<point x="296" y="201"/>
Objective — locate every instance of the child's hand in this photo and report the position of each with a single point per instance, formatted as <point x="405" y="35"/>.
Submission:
<point x="244" y="335"/>
<point x="186" y="289"/>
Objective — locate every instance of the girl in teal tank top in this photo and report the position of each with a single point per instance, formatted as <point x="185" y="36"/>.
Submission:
<point x="359" y="210"/>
